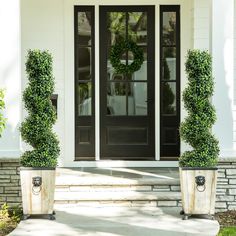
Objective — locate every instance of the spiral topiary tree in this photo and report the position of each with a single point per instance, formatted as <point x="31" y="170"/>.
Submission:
<point x="36" y="130"/>
<point x="196" y="129"/>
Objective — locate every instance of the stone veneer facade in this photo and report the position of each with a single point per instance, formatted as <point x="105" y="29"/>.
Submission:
<point x="226" y="185"/>
<point x="10" y="191"/>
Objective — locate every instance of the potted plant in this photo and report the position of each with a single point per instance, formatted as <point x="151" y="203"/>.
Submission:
<point x="198" y="171"/>
<point x="38" y="165"/>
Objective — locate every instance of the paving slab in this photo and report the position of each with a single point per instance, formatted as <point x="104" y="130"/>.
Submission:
<point x="75" y="220"/>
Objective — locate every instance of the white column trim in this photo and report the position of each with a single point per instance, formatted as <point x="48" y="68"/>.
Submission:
<point x="97" y="86"/>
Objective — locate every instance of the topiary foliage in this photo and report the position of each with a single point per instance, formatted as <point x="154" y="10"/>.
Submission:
<point x="196" y="129"/>
<point x="36" y="130"/>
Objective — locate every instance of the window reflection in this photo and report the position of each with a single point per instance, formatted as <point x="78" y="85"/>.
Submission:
<point x="84" y="63"/>
<point x="138" y="27"/>
<point x="169" y="28"/>
<point x="84" y="28"/>
<point x="85" y="99"/>
<point x="116" y="98"/>
<point x="169" y="63"/>
<point x="116" y="26"/>
<point x="169" y="98"/>
<point x="138" y="99"/>
<point x="123" y="96"/>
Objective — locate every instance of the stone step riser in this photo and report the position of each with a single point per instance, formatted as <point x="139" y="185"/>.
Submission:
<point x="108" y="181"/>
<point x="146" y="188"/>
<point x="127" y="203"/>
<point x="117" y="196"/>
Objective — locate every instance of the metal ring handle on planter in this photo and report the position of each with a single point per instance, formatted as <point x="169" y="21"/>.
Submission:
<point x="200" y="183"/>
<point x="37" y="185"/>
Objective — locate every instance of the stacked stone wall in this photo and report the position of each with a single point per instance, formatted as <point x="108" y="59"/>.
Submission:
<point x="226" y="185"/>
<point x="10" y="190"/>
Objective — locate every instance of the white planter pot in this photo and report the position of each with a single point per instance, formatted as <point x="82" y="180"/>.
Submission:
<point x="37" y="200"/>
<point x="197" y="198"/>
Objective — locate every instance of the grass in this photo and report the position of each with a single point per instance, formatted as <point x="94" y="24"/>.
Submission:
<point x="227" y="221"/>
<point x="9" y="218"/>
<point x="227" y="231"/>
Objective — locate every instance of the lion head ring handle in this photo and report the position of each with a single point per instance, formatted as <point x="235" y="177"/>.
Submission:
<point x="37" y="185"/>
<point x="200" y="183"/>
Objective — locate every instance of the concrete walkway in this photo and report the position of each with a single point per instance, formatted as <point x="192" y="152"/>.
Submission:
<point x="116" y="221"/>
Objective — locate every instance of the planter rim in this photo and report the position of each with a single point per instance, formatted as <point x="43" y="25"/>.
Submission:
<point x="37" y="168"/>
<point x="199" y="168"/>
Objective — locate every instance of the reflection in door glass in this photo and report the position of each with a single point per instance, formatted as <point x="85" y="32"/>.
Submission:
<point x="116" y="27"/>
<point x="123" y="96"/>
<point x="84" y="28"/>
<point x="84" y="63"/>
<point x="138" y="27"/>
<point x="116" y="98"/>
<point x="169" y="98"/>
<point x="84" y="98"/>
<point x="138" y="99"/>
<point x="169" y="28"/>
<point x="169" y="63"/>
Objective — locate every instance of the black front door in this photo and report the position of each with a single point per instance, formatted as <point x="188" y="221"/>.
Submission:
<point x="127" y="101"/>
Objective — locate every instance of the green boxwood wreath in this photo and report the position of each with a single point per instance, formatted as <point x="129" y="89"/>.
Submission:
<point x="116" y="52"/>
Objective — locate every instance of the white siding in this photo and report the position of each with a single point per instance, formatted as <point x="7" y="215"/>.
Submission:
<point x="223" y="71"/>
<point x="234" y="81"/>
<point x="201" y="24"/>
<point x="235" y="54"/>
<point x="10" y="78"/>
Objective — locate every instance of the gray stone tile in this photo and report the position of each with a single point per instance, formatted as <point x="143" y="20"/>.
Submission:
<point x="113" y="221"/>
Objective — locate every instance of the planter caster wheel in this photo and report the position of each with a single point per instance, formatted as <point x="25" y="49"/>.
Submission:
<point x="181" y="212"/>
<point x="52" y="217"/>
<point x="25" y="217"/>
<point x="185" y="217"/>
<point x="212" y="217"/>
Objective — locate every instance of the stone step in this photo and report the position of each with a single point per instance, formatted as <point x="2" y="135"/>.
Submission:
<point x="70" y="180"/>
<point x="117" y="188"/>
<point x="142" y="204"/>
<point x="103" y="188"/>
<point x="116" y="196"/>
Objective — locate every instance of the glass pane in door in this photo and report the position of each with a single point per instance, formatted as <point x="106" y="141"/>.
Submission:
<point x="127" y="26"/>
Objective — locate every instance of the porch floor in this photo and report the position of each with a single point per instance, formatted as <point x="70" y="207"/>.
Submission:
<point x="116" y="221"/>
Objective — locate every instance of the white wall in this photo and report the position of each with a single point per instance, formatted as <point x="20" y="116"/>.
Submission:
<point x="43" y="28"/>
<point x="223" y="71"/>
<point x="10" y="78"/>
<point x="201" y="24"/>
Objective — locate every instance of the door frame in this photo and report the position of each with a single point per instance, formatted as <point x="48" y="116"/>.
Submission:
<point x="68" y="146"/>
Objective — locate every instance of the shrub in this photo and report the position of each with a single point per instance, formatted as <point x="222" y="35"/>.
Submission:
<point x="2" y="106"/>
<point x="9" y="218"/>
<point x="196" y="129"/>
<point x="36" y="130"/>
